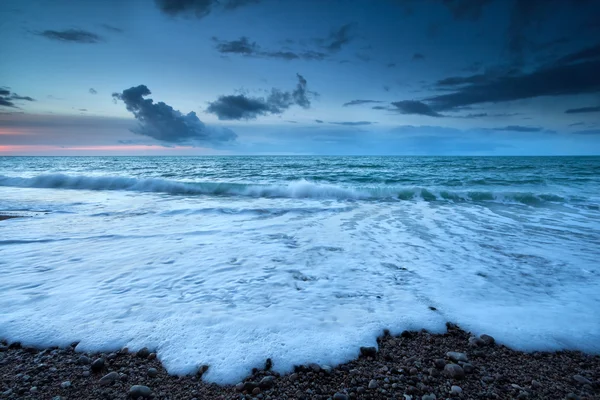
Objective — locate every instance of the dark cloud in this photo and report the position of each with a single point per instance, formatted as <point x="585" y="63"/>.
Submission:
<point x="112" y="28"/>
<point x="466" y="9"/>
<point x="160" y="121"/>
<point x="418" y="57"/>
<point x="391" y="65"/>
<point x="243" y="46"/>
<point x="318" y="121"/>
<point x="414" y="107"/>
<point x="337" y="38"/>
<point x="588" y="132"/>
<point x="379" y="108"/>
<point x="199" y="8"/>
<point x="574" y="74"/>
<point x="583" y="110"/>
<point x="359" y="102"/>
<point x="72" y="35"/>
<point x="8" y="98"/>
<point x="386" y="88"/>
<point x="93" y="91"/>
<point x="518" y="128"/>
<point x="236" y="107"/>
<point x="353" y="123"/>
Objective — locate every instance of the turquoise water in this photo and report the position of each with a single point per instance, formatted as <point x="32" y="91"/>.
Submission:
<point x="229" y="260"/>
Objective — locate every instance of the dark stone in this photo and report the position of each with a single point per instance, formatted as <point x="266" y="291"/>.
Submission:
<point x="137" y="391"/>
<point x="152" y="372"/>
<point x="98" y="364"/>
<point x="487" y="339"/>
<point x="340" y="396"/>
<point x="439" y="363"/>
<point x="454" y="371"/>
<point x="108" y="378"/>
<point x="268" y="364"/>
<point x="83" y="360"/>
<point x="267" y="382"/>
<point x="143" y="353"/>
<point x="249" y="386"/>
<point x="368" y="352"/>
<point x="406" y="334"/>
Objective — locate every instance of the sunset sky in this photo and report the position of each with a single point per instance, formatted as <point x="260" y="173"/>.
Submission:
<point x="192" y="77"/>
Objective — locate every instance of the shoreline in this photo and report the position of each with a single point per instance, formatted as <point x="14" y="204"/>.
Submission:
<point x="413" y="365"/>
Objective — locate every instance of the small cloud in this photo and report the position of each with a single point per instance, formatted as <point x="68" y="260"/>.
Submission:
<point x="337" y="38"/>
<point x="360" y="102"/>
<point x="236" y="107"/>
<point x="386" y="88"/>
<point x="391" y="65"/>
<point x="112" y="28"/>
<point x="519" y="128"/>
<point x="415" y="107"/>
<point x="379" y="108"/>
<point x="8" y="98"/>
<point x="577" y="124"/>
<point x="200" y="8"/>
<point x="244" y="47"/>
<point x="83" y="109"/>
<point x="583" y="110"/>
<point x="588" y="132"/>
<point x="318" y="121"/>
<point x="93" y="91"/>
<point x="353" y="123"/>
<point x="291" y="122"/>
<point x="71" y="35"/>
<point x="418" y="57"/>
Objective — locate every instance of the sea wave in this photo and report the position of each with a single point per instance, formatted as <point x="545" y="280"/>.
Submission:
<point x="294" y="189"/>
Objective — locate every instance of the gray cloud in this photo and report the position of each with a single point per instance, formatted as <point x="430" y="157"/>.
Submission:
<point x="577" y="124"/>
<point x="236" y="107"/>
<point x="415" y="107"/>
<point x="573" y="74"/>
<point x="588" y="132"/>
<point x="93" y="91"/>
<point x="199" y="8"/>
<point x="318" y="121"/>
<point x="72" y="35"/>
<point x="353" y="123"/>
<point x="337" y="38"/>
<point x="418" y="57"/>
<point x="112" y="28"/>
<point x="360" y="102"/>
<point x="583" y="110"/>
<point x="243" y="46"/>
<point x="518" y="128"/>
<point x="8" y="98"/>
<point x="160" y="121"/>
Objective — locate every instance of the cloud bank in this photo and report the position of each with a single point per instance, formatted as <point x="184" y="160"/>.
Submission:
<point x="72" y="35"/>
<point x="160" y="121"/>
<point x="8" y="98"/>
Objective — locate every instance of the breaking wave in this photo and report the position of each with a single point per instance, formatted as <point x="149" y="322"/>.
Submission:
<point x="296" y="189"/>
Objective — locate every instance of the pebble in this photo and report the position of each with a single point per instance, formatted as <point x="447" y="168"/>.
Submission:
<point x="474" y="341"/>
<point x="239" y="387"/>
<point x="488" y="340"/>
<point x="143" y="353"/>
<point x="373" y="384"/>
<point x="34" y="389"/>
<point x="85" y="373"/>
<point x="293" y="377"/>
<point x="109" y="378"/>
<point x="456" y="356"/>
<point x="439" y="363"/>
<point x="368" y="352"/>
<point x="454" y="371"/>
<point x="572" y="396"/>
<point x="267" y="382"/>
<point x="98" y="364"/>
<point x="581" y="380"/>
<point x="456" y="390"/>
<point x="413" y="371"/>
<point x="256" y="391"/>
<point x="535" y="384"/>
<point x="429" y="397"/>
<point x="315" y="367"/>
<point x="83" y="360"/>
<point x="65" y="384"/>
<point x="468" y="368"/>
<point x="340" y="396"/>
<point x="152" y="372"/>
<point x="137" y="391"/>
<point x="152" y="356"/>
<point x="327" y="369"/>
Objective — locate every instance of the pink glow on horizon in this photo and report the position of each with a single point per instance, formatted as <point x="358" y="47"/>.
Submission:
<point x="108" y="150"/>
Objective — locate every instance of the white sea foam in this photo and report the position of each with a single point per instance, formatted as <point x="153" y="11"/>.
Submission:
<point x="298" y="278"/>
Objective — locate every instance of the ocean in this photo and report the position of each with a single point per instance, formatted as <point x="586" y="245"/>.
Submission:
<point x="226" y="261"/>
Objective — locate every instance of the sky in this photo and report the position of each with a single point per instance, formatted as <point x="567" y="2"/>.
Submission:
<point x="324" y="77"/>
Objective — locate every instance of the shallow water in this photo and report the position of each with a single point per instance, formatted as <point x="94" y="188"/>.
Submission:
<point x="229" y="260"/>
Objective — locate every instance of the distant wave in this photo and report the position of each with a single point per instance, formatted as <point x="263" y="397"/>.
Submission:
<point x="295" y="189"/>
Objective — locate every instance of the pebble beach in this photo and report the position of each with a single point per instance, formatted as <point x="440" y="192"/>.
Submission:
<point x="412" y="365"/>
